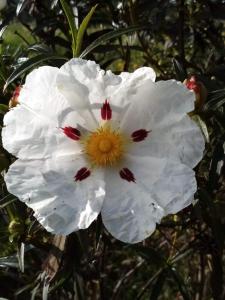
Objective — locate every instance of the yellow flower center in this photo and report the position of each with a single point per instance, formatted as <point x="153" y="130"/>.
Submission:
<point x="104" y="147"/>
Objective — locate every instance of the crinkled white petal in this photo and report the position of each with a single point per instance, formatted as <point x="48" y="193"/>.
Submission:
<point x="181" y="141"/>
<point x="60" y="204"/>
<point x="83" y="82"/>
<point x="85" y="85"/>
<point x="131" y="210"/>
<point x="40" y="94"/>
<point x="27" y="136"/>
<point x="157" y="105"/>
<point x="128" y="212"/>
<point x="129" y="86"/>
<point x="32" y="129"/>
<point x="41" y="97"/>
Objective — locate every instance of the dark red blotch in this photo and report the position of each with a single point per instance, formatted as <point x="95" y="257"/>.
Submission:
<point x="106" y="111"/>
<point x="72" y="133"/>
<point x="126" y="174"/>
<point x="82" y="174"/>
<point x="139" y="135"/>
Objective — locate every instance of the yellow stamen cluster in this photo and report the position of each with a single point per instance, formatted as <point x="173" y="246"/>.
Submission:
<point x="104" y="147"/>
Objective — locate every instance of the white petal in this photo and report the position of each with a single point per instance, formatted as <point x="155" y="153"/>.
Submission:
<point x="128" y="211"/>
<point x="171" y="184"/>
<point x="41" y="97"/>
<point x="85" y="85"/>
<point x="28" y="136"/>
<point x="61" y="205"/>
<point x="182" y="141"/>
<point x="157" y="105"/>
<point x="39" y="92"/>
<point x="82" y="82"/>
<point x="129" y="86"/>
<point x="131" y="210"/>
<point x="32" y="128"/>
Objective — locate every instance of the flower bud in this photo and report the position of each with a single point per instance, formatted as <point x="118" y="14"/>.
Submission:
<point x="199" y="89"/>
<point x="14" y="100"/>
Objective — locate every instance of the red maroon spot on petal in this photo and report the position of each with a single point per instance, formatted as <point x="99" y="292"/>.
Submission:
<point x="126" y="174"/>
<point x="72" y="133"/>
<point x="106" y="111"/>
<point x="140" y="135"/>
<point x="82" y="174"/>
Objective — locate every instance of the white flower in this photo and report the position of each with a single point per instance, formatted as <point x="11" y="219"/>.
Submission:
<point x="89" y="141"/>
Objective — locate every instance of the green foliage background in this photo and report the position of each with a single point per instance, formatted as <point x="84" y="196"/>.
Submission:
<point x="184" y="258"/>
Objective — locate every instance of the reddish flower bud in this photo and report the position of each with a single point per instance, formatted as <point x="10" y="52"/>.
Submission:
<point x="199" y="89"/>
<point x="14" y="100"/>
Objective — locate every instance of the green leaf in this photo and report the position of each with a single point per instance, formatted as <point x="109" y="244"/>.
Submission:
<point x="41" y="48"/>
<point x="20" y="256"/>
<point x="3" y="108"/>
<point x="28" y="64"/>
<point x="7" y="203"/>
<point x="202" y="126"/>
<point x="82" y="29"/>
<point x="179" y="70"/>
<point x="54" y="3"/>
<point x="21" y="6"/>
<point x="215" y="100"/>
<point x="109" y="36"/>
<point x="3" y="30"/>
<point x="70" y="18"/>
<point x="4" y="162"/>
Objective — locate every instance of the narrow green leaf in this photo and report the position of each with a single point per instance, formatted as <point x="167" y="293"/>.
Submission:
<point x="4" y="162"/>
<point x="54" y="3"/>
<point x="202" y="126"/>
<point x="20" y="256"/>
<point x="41" y="48"/>
<point x="70" y="18"/>
<point x="7" y="203"/>
<point x="21" y="6"/>
<point x="27" y="65"/>
<point x="109" y="36"/>
<point x="9" y="261"/>
<point x="3" y="108"/>
<point x="45" y="290"/>
<point x="82" y="29"/>
<point x="179" y="70"/>
<point x="3" y="30"/>
<point x="215" y="100"/>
